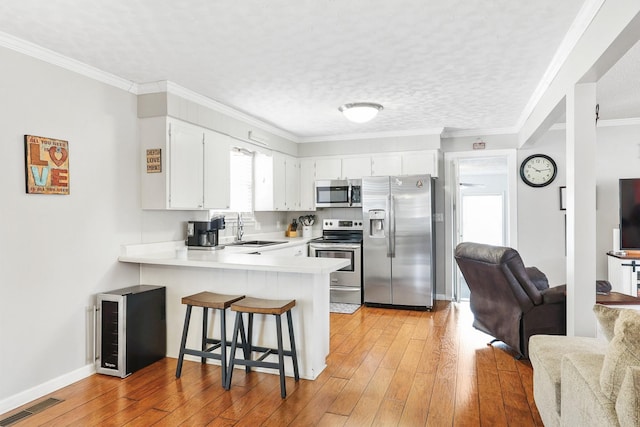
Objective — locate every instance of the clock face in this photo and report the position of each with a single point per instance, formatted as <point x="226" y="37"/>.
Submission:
<point x="538" y="170"/>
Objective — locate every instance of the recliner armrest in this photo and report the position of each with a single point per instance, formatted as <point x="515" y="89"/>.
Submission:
<point x="538" y="278"/>
<point x="554" y="295"/>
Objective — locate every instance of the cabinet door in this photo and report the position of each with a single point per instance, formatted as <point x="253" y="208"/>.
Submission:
<point x="216" y="170"/>
<point x="356" y="167"/>
<point x="186" y="166"/>
<point x="279" y="190"/>
<point x="307" y="185"/>
<point x="424" y="162"/>
<point x="263" y="182"/>
<point x="386" y="165"/>
<point x="292" y="184"/>
<point x="623" y="275"/>
<point x="328" y="168"/>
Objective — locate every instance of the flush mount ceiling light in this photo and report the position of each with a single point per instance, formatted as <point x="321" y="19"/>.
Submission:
<point x="360" y="112"/>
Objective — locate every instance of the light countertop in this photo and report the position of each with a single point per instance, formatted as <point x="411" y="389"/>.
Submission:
<point x="173" y="253"/>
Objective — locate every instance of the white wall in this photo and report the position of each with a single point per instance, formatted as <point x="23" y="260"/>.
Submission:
<point x="541" y="223"/>
<point x="618" y="156"/>
<point x="58" y="251"/>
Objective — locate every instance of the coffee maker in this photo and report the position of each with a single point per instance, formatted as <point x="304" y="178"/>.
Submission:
<point x="204" y="234"/>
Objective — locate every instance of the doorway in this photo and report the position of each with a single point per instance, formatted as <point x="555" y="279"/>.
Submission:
<point x="482" y="204"/>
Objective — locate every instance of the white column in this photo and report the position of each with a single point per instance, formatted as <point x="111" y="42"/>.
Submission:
<point x="581" y="210"/>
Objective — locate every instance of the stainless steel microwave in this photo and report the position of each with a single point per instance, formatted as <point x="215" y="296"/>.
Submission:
<point x="338" y="193"/>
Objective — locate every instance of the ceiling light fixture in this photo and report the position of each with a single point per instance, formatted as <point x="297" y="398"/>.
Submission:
<point x="360" y="112"/>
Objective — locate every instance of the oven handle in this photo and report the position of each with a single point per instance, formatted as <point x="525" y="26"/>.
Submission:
<point x="345" y="289"/>
<point x="341" y="246"/>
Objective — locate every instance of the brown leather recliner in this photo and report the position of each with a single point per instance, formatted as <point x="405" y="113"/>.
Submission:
<point x="508" y="301"/>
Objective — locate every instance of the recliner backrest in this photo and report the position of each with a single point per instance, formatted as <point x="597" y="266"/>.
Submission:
<point x="479" y="262"/>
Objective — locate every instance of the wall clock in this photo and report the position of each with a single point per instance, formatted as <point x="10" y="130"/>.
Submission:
<point x="538" y="170"/>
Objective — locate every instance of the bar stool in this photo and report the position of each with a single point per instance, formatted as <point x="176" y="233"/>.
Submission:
<point x="253" y="306"/>
<point x="207" y="300"/>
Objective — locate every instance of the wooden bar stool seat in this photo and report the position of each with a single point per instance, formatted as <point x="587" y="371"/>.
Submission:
<point x="207" y="300"/>
<point x="276" y="308"/>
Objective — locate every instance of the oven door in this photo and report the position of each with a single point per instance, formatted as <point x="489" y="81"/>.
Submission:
<point x="346" y="283"/>
<point x="333" y="194"/>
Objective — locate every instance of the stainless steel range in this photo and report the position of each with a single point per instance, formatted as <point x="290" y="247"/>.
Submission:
<point x="342" y="238"/>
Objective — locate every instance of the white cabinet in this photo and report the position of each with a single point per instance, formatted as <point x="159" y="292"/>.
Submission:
<point x="328" y="168"/>
<point x="276" y="182"/>
<point x="382" y="165"/>
<point x="420" y="162"/>
<point x="297" y="250"/>
<point x="217" y="184"/>
<point x="356" y="167"/>
<point x="194" y="172"/>
<point x="624" y="274"/>
<point x="186" y="183"/>
<point x="307" y="184"/>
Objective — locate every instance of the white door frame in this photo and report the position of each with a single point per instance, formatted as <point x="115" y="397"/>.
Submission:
<point x="452" y="197"/>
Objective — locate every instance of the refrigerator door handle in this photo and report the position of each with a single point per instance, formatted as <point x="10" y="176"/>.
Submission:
<point x="392" y="223"/>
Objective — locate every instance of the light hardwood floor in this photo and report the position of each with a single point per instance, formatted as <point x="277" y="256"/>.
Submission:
<point x="386" y="367"/>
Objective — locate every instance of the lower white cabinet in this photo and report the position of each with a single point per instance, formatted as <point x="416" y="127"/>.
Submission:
<point x="624" y="274"/>
<point x="297" y="250"/>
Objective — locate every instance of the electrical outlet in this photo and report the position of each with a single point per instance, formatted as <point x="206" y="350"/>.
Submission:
<point x="438" y="217"/>
<point x="278" y="225"/>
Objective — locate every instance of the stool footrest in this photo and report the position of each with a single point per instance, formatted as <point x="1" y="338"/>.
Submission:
<point x="200" y="353"/>
<point x="267" y="351"/>
<point x="257" y="363"/>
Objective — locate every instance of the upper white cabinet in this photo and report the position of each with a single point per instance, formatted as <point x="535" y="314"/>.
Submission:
<point x="356" y="167"/>
<point x="216" y="170"/>
<point x="186" y="166"/>
<point x="194" y="166"/>
<point x="307" y="184"/>
<point x="420" y="162"/>
<point x="276" y="182"/>
<point x="328" y="168"/>
<point x="382" y="165"/>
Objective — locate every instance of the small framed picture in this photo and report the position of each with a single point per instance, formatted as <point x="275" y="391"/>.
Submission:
<point x="563" y="198"/>
<point x="47" y="165"/>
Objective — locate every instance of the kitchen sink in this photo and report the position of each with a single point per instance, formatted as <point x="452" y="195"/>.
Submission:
<point x="255" y="243"/>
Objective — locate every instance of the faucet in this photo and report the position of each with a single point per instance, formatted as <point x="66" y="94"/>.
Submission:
<point x="240" y="227"/>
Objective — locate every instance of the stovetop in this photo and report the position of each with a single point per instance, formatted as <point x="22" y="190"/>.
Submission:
<point x="340" y="231"/>
<point x="343" y="238"/>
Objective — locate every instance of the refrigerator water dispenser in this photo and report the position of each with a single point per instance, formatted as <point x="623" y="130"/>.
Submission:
<point x="376" y="223"/>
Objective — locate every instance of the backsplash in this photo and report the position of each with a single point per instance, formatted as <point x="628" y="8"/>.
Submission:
<point x="165" y="225"/>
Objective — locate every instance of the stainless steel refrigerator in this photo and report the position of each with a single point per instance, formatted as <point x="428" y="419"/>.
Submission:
<point x="398" y="267"/>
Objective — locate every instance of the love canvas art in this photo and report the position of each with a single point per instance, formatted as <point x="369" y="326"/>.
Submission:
<point x="47" y="165"/>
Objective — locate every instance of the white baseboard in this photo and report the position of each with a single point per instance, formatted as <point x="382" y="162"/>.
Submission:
<point x="40" y="390"/>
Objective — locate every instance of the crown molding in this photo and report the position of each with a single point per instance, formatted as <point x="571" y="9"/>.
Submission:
<point x="372" y="135"/>
<point x="632" y="121"/>
<point x="54" y="58"/>
<point x="464" y="133"/>
<point x="586" y="14"/>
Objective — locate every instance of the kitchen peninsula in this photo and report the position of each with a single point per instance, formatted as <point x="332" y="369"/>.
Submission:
<point x="229" y="271"/>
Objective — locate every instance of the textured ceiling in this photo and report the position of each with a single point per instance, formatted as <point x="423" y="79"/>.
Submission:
<point x="456" y="64"/>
